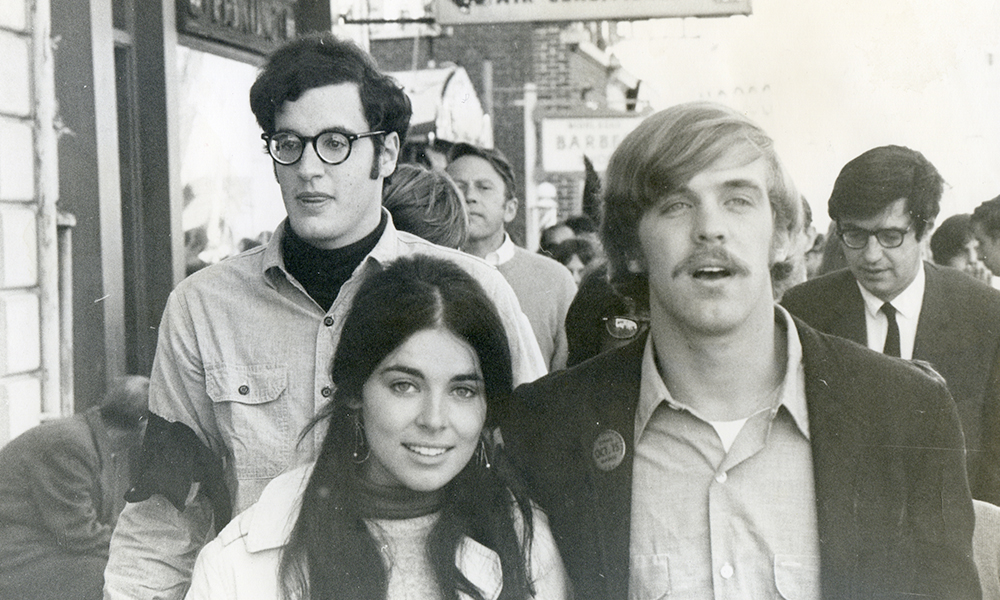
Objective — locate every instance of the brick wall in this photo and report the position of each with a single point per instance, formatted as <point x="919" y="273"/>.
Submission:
<point x="519" y="53"/>
<point x="20" y="337"/>
<point x="509" y="50"/>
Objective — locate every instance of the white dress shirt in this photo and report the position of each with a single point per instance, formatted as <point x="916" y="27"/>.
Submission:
<point x="907" y="305"/>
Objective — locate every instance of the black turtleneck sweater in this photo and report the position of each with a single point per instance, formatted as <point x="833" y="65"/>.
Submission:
<point x="323" y="272"/>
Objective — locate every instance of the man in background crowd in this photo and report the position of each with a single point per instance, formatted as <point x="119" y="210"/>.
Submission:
<point x="62" y="485"/>
<point x="986" y="227"/>
<point x="544" y="287"/>
<point x="884" y="203"/>
<point x="734" y="452"/>
<point x="954" y="245"/>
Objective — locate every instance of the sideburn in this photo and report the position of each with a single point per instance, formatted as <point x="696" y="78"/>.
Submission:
<point x="376" y="156"/>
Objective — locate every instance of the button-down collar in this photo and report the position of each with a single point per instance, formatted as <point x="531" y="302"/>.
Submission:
<point x="792" y="396"/>
<point x="386" y="250"/>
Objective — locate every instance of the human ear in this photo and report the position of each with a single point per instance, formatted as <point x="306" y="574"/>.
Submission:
<point x="781" y="246"/>
<point x="389" y="154"/>
<point x="509" y="209"/>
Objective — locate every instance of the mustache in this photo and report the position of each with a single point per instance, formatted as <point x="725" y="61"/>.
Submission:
<point x="716" y="256"/>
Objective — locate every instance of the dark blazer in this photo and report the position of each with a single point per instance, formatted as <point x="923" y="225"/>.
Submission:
<point x="894" y="512"/>
<point x="958" y="333"/>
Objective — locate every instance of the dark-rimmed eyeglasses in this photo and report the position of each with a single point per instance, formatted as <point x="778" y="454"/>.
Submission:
<point x="332" y="147"/>
<point x="623" y="328"/>
<point x="857" y="238"/>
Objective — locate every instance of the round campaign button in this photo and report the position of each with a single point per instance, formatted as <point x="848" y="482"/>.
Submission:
<point x="609" y="450"/>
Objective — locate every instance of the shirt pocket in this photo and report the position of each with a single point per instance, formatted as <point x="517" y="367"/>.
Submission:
<point x="650" y="578"/>
<point x="251" y="407"/>
<point x="796" y="576"/>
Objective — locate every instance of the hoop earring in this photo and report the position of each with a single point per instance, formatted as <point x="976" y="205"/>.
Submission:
<point x="482" y="454"/>
<point x="361" y="448"/>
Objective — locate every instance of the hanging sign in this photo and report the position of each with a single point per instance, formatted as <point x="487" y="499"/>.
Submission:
<point x="462" y="12"/>
<point x="566" y="140"/>
<point x="259" y="26"/>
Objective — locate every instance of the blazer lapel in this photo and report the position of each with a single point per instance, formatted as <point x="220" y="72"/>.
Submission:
<point x="848" y="314"/>
<point x="612" y="489"/>
<point x="834" y="445"/>
<point x="934" y="322"/>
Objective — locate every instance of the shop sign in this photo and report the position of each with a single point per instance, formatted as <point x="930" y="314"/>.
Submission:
<point x="566" y="140"/>
<point x="259" y="26"/>
<point x="461" y="12"/>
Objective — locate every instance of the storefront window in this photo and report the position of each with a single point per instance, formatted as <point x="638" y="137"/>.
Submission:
<point x="231" y="199"/>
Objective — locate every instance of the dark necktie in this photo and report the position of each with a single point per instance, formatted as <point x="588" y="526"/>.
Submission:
<point x="892" y="337"/>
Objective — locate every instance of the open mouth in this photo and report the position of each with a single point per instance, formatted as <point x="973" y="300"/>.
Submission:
<point x="711" y="273"/>
<point x="429" y="451"/>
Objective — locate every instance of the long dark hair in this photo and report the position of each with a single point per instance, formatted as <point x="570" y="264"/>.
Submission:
<point x="331" y="554"/>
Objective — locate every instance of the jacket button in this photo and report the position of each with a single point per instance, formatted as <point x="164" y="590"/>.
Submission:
<point x="327" y="392"/>
<point x="244" y="389"/>
<point x="328" y="321"/>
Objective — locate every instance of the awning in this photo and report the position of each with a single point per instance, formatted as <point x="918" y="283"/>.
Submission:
<point x="445" y="107"/>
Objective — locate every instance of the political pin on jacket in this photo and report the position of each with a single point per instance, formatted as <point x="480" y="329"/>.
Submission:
<point x="609" y="450"/>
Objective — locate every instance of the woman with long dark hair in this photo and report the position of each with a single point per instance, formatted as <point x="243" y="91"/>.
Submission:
<point x="408" y="498"/>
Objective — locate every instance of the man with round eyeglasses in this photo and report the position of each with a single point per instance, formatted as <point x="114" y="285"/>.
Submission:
<point x="884" y="203"/>
<point x="332" y="147"/>
<point x="244" y="347"/>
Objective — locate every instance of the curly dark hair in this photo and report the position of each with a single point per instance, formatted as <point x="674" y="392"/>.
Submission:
<point x="320" y="59"/>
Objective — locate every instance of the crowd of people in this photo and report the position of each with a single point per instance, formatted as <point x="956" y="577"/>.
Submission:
<point x="693" y="395"/>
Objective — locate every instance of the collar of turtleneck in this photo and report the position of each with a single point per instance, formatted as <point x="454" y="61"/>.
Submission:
<point x="388" y="502"/>
<point x="323" y="272"/>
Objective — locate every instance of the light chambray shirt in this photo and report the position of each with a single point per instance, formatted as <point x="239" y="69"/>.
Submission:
<point x="712" y="524"/>
<point x="907" y="304"/>
<point x="243" y="355"/>
<point x="243" y="359"/>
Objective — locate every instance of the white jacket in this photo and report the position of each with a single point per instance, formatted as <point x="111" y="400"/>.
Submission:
<point x="242" y="562"/>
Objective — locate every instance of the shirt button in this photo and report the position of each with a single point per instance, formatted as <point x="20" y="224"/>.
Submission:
<point x="722" y="477"/>
<point x="328" y="321"/>
<point x="327" y="392"/>
<point x="726" y="571"/>
<point x="244" y="389"/>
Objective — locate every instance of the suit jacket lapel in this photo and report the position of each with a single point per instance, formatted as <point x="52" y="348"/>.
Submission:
<point x="612" y="489"/>
<point x="848" y="314"/>
<point x="834" y="447"/>
<point x="935" y="315"/>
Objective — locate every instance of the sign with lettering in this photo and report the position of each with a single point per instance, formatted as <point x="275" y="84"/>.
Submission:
<point x="259" y="26"/>
<point x="462" y="12"/>
<point x="565" y="140"/>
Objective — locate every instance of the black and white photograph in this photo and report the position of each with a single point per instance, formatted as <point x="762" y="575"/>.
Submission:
<point x="499" y="300"/>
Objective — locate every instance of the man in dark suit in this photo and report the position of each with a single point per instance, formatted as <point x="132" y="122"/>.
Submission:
<point x="884" y="203"/>
<point x="733" y="451"/>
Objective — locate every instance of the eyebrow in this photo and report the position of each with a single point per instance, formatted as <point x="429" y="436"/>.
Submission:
<point x="334" y="129"/>
<point x="417" y="373"/>
<point x="730" y="184"/>
<point x="741" y="184"/>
